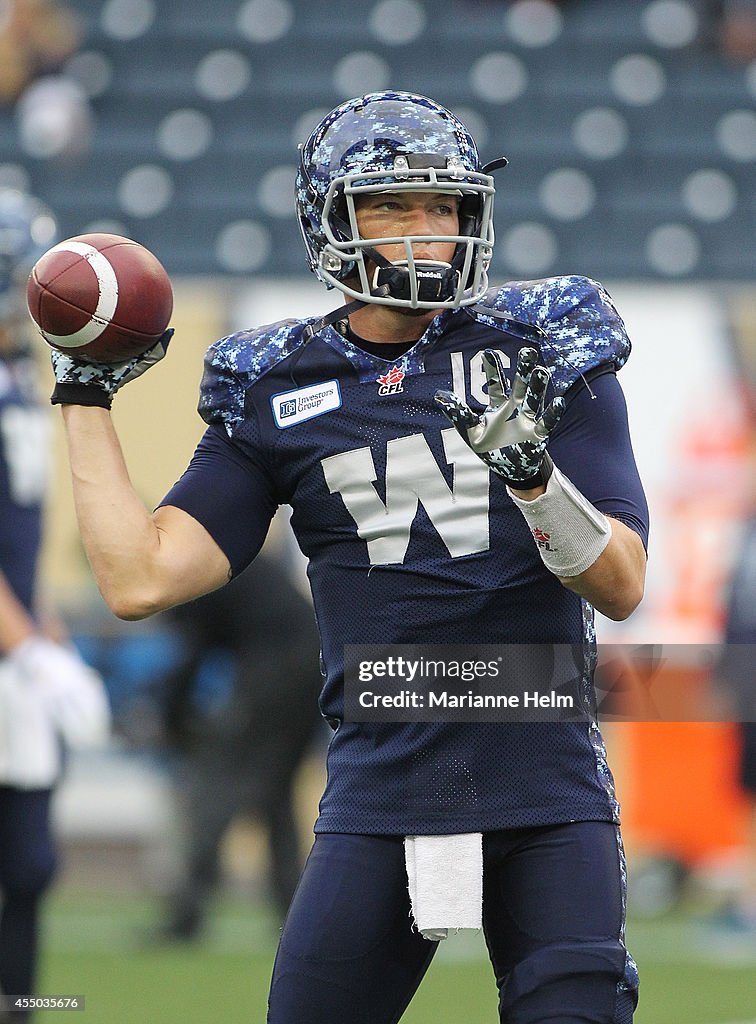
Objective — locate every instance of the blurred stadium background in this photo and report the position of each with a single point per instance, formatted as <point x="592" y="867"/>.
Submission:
<point x="631" y="131"/>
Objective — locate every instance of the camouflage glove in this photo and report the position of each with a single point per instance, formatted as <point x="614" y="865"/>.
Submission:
<point x="511" y="435"/>
<point x="78" y="382"/>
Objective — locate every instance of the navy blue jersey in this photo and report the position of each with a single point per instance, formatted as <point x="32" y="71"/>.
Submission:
<point x="411" y="540"/>
<point x="24" y="446"/>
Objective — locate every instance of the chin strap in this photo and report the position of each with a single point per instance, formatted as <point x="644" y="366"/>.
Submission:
<point x="494" y="165"/>
<point x="310" y="330"/>
<point x="432" y="283"/>
<point x="339" y="314"/>
<point x="436" y="281"/>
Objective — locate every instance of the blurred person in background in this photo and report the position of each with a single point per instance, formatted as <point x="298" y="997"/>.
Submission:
<point x="36" y="38"/>
<point x="238" y="753"/>
<point x="732" y="28"/>
<point x="49" y="699"/>
<point x="52" y="110"/>
<point x="736" y="673"/>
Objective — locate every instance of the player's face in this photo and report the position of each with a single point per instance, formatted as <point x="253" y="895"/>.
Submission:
<point x="394" y="214"/>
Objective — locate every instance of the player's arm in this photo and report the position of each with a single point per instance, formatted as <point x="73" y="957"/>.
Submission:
<point x="41" y="664"/>
<point x="16" y="624"/>
<point x="143" y="562"/>
<point x="614" y="582"/>
<point x="599" y="558"/>
<point x="197" y="539"/>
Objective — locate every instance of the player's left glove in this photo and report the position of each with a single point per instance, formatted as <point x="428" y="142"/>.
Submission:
<point x="511" y="435"/>
<point x="79" y="382"/>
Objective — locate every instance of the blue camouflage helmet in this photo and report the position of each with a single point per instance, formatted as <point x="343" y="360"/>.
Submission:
<point x="394" y="141"/>
<point x="27" y="229"/>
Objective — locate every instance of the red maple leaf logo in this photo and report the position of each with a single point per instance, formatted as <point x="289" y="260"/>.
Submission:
<point x="394" y="376"/>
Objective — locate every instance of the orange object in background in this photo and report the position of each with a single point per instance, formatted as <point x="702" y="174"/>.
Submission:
<point x="677" y="771"/>
<point x="682" y="798"/>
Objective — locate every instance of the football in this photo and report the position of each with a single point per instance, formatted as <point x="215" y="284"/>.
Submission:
<point x="101" y="297"/>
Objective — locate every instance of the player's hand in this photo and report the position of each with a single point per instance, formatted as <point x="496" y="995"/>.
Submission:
<point x="511" y="435"/>
<point x="79" y="382"/>
<point x="72" y="693"/>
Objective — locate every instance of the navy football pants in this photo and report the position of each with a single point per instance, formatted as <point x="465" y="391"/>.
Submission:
<point x="553" y="908"/>
<point x="27" y="866"/>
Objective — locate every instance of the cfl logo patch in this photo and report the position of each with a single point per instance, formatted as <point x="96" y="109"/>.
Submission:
<point x="391" y="383"/>
<point x="542" y="539"/>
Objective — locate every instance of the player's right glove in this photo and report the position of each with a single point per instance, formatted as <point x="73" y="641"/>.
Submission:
<point x="78" y="382"/>
<point x="511" y="435"/>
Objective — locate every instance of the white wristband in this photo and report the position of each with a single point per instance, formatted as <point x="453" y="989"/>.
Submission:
<point x="570" y="532"/>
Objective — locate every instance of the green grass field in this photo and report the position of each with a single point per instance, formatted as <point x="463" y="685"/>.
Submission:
<point x="94" y="946"/>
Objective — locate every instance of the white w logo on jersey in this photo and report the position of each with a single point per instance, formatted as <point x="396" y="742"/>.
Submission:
<point x="459" y="513"/>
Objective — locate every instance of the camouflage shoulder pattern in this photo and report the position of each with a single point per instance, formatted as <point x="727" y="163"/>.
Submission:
<point x="581" y="325"/>
<point x="233" y="364"/>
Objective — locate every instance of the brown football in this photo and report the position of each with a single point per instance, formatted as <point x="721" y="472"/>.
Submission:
<point x="101" y="297"/>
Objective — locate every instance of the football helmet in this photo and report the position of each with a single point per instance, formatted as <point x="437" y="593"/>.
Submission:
<point x="394" y="142"/>
<point x="27" y="229"/>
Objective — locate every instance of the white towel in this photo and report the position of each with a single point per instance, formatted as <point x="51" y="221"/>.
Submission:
<point x="48" y="696"/>
<point x="445" y="878"/>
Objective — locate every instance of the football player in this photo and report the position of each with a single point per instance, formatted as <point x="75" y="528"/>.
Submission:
<point x="737" y="924"/>
<point x="47" y="694"/>
<point x="458" y="461"/>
